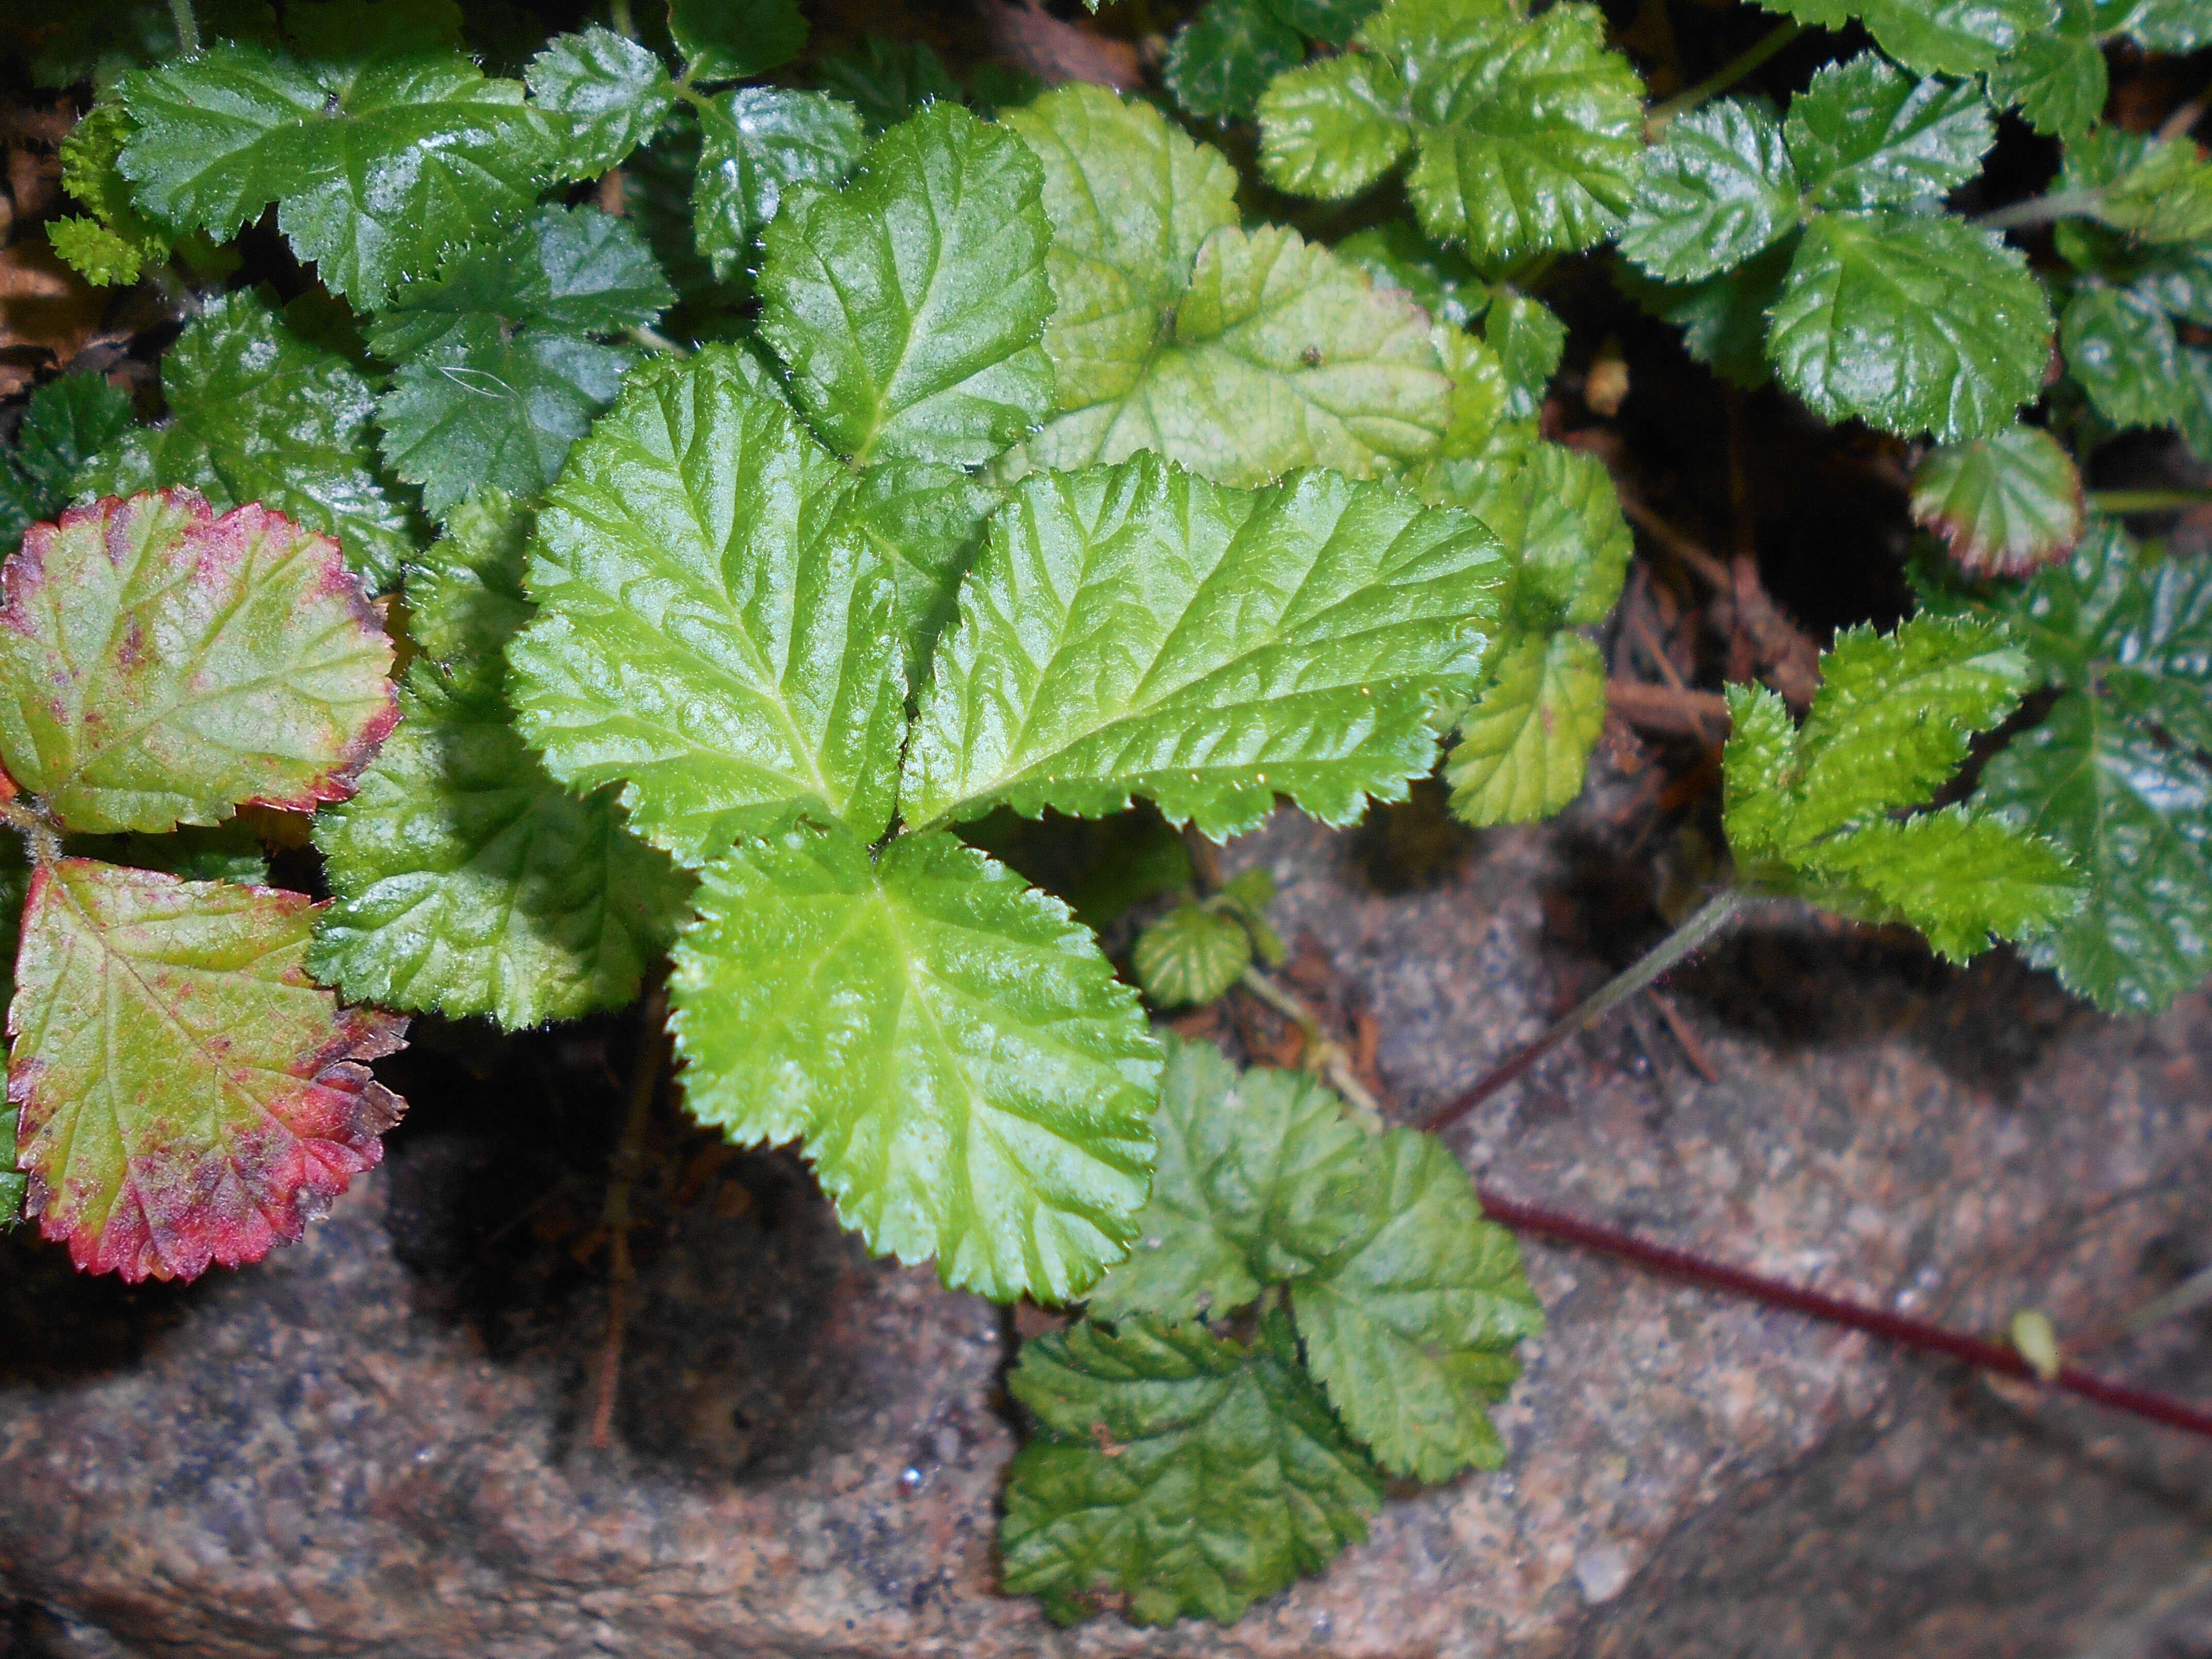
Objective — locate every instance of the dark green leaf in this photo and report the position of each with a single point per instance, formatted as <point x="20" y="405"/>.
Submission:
<point x="1862" y="135"/>
<point x="736" y="40"/>
<point x="887" y="81"/>
<point x="755" y="144"/>
<point x="612" y="93"/>
<point x="2123" y="351"/>
<point x="1222" y="60"/>
<point x="1719" y="187"/>
<point x="1935" y="37"/>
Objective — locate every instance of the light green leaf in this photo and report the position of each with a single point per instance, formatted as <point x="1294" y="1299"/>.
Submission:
<point x="736" y="40"/>
<point x="2123" y="351"/>
<point x="1525" y="742"/>
<point x="1192" y="954"/>
<point x="1410" y="1325"/>
<point x="756" y="143"/>
<point x="1134" y="631"/>
<point x="1221" y="61"/>
<point x="1719" y="187"/>
<point x="1333" y="128"/>
<point x="1863" y="135"/>
<point x="1183" y="1471"/>
<point x="612" y="93"/>
<point x="908" y="307"/>
<point x="465" y="597"/>
<point x="2057" y="76"/>
<point x="95" y="252"/>
<point x="1560" y="521"/>
<point x="711" y="631"/>
<point x="160" y="666"/>
<point x="1396" y="255"/>
<point x="1910" y="324"/>
<point x="1485" y="438"/>
<point x="1755" y="769"/>
<point x="1529" y="340"/>
<point x="966" y="1076"/>
<point x="926" y="522"/>
<point x="257" y="414"/>
<point x="1935" y="37"/>
<point x="2004" y="504"/>
<point x="888" y="80"/>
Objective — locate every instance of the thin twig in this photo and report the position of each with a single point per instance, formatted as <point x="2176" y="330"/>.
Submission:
<point x="2185" y="117"/>
<point x="623" y="1171"/>
<point x="1693" y="1049"/>
<point x="1323" y="1055"/>
<point x="2148" y="500"/>
<point x="1744" y="64"/>
<point x="2043" y="209"/>
<point x="1669" y="709"/>
<point x="188" y="27"/>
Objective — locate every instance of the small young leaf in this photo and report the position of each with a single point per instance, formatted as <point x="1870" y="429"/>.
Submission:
<point x="1134" y="631"/>
<point x="66" y="422"/>
<point x="711" y="632"/>
<point x="887" y="81"/>
<point x="1935" y="37"/>
<point x="159" y="665"/>
<point x="1911" y="324"/>
<point x="258" y="414"/>
<point x="966" y="1076"/>
<point x="908" y="305"/>
<point x="2057" y="76"/>
<point x="2004" y="504"/>
<point x="2123" y="351"/>
<point x="1529" y="340"/>
<point x="1525" y="742"/>
<point x="1716" y="190"/>
<point x="1560" y="521"/>
<point x="1185" y="1471"/>
<point x="2162" y="193"/>
<point x="755" y="144"/>
<point x="612" y="93"/>
<point x="925" y="521"/>
<point x="95" y="252"/>
<point x="736" y="40"/>
<point x="188" y="1095"/>
<point x="1190" y="955"/>
<point x="1862" y="135"/>
<point x="1222" y="60"/>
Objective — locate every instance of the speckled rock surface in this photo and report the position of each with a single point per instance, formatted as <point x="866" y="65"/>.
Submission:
<point x="376" y="1445"/>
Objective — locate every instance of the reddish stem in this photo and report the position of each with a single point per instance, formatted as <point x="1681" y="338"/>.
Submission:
<point x="1837" y="1310"/>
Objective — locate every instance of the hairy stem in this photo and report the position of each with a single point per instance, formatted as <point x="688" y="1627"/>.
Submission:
<point x="629" y="1158"/>
<point x="1323" y="1055"/>
<point x="2148" y="500"/>
<point x="618" y="13"/>
<point x="188" y="27"/>
<point x="41" y="839"/>
<point x="2042" y="210"/>
<point x="1743" y="64"/>
<point x="1703" y="925"/>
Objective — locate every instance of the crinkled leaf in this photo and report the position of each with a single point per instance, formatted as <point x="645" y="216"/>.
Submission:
<point x="1192" y="954"/>
<point x="1529" y="340"/>
<point x="611" y="92"/>
<point x="2122" y="350"/>
<point x="907" y="306"/>
<point x="466" y="597"/>
<point x="1135" y="630"/>
<point x="755" y="144"/>
<point x="2004" y="504"/>
<point x="965" y="1074"/>
<point x="159" y="665"/>
<point x="736" y="40"/>
<point x="188" y="1094"/>
<point x="1221" y="61"/>
<point x="2057" y="76"/>
<point x="925" y="521"/>
<point x="712" y="632"/>
<point x="1178" y="1469"/>
<point x="1398" y="256"/>
<point x="1719" y="187"/>
<point x="1484" y="437"/>
<point x="1333" y="128"/>
<point x="64" y="424"/>
<point x="1525" y="741"/>
<point x="1935" y="37"/>
<point x="1559" y="518"/>
<point x="887" y="80"/>
<point x="1864" y="135"/>
<point x="258" y="414"/>
<point x="95" y="252"/>
<point x="1410" y="1325"/>
<point x="1911" y="324"/>
<point x="2163" y="192"/>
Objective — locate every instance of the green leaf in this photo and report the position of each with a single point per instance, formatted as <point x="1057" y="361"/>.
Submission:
<point x="95" y="252"/>
<point x="64" y="424"/>
<point x="2124" y="352"/>
<point x="1222" y="60"/>
<point x="1334" y="21"/>
<point x="2057" y="76"/>
<point x="2004" y="504"/>
<point x="1485" y="438"/>
<point x="1723" y="318"/>
<point x="2163" y="194"/>
<point x="1398" y="256"/>
<point x="377" y="163"/>
<point x="1935" y="37"/>
<point x="926" y="522"/>
<point x="188" y="1095"/>
<point x="736" y="40"/>
<point x="1719" y="187"/>
<point x="1911" y="325"/>
<point x="1182" y="1471"/>
<point x="1257" y="1181"/>
<point x="1525" y="742"/>
<point x="1332" y="128"/>
<point x="1529" y="340"/>
<point x="756" y="143"/>
<point x="258" y="414"/>
<point x="465" y="597"/>
<point x="888" y="81"/>
<point x="1410" y="1325"/>
<point x="159" y="665"/>
<point x="1192" y="954"/>
<point x="711" y="631"/>
<point x="1863" y="135"/>
<point x="1134" y="631"/>
<point x="1560" y="521"/>
<point x="229" y="851"/>
<point x="13" y="1182"/>
<point x="965" y="1074"/>
<point x="2172" y="26"/>
<point x="908" y="307"/>
<point x="612" y="93"/>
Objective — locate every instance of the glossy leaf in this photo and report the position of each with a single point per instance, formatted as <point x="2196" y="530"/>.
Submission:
<point x="2004" y="504"/>
<point x="611" y="94"/>
<point x="965" y="1073"/>
<point x="1723" y="318"/>
<point x="756" y="143"/>
<point x="64" y="424"/>
<point x="1192" y="954"/>
<point x="925" y="523"/>
<point x="1442" y="281"/>
<point x="736" y="40"/>
<point x="1864" y="135"/>
<point x="2057" y="76"/>
<point x="2123" y="351"/>
<point x="1718" y="188"/>
<point x="1935" y="37"/>
<point x="188" y="1095"/>
<point x="1221" y="61"/>
<point x="1525" y="741"/>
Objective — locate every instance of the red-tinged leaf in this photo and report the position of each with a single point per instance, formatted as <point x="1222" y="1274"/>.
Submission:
<point x="188" y="1094"/>
<point x="161" y="665"/>
<point x="2004" y="504"/>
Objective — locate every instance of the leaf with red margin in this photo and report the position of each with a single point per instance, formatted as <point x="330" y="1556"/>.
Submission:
<point x="161" y="665"/>
<point x="188" y="1095"/>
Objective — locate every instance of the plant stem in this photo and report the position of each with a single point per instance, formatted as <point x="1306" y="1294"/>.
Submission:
<point x="618" y="14"/>
<point x="2042" y="210"/>
<point x="41" y="838"/>
<point x="1703" y="925"/>
<point x="1322" y="1056"/>
<point x="623" y="1171"/>
<point x="188" y="27"/>
<point x="1736" y="69"/>
<point x="2149" y="501"/>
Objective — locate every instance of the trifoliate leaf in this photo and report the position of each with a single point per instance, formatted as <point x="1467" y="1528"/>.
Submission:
<point x="925" y="521"/>
<point x="1398" y="256"/>
<point x="612" y="93"/>
<point x="1525" y="741"/>
<point x="1222" y="60"/>
<point x="1192" y="954"/>
<point x="258" y="414"/>
<point x="2004" y="504"/>
<point x="1723" y="318"/>
<point x="711" y="632"/>
<point x="1719" y="187"/>
<point x="159" y="665"/>
<point x="64" y="424"/>
<point x="888" y="81"/>
<point x="188" y="1095"/>
<point x="966" y="1075"/>
<point x="1410" y="1325"/>
<point x="377" y="164"/>
<point x="736" y="40"/>
<point x="2057" y="76"/>
<point x="2123" y="351"/>
<point x="1257" y="1181"/>
<point x="1935" y="37"/>
<point x="1178" y="1470"/>
<point x="907" y="306"/>
<point x="1863" y="135"/>
<point x="1135" y="630"/>
<point x="755" y="144"/>
<point x="1911" y="324"/>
